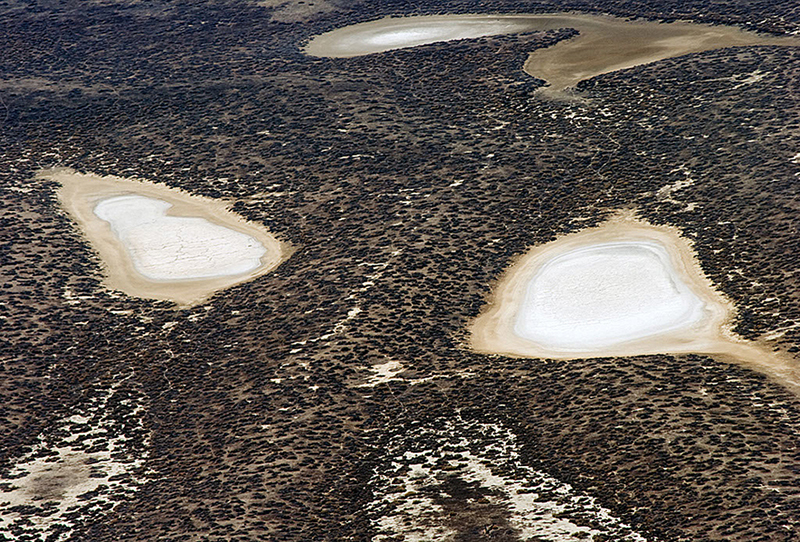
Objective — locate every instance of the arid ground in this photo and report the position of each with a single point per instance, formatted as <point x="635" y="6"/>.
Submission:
<point x="337" y="396"/>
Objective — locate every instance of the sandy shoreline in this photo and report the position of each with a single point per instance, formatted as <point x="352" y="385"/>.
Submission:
<point x="80" y="193"/>
<point x="493" y="331"/>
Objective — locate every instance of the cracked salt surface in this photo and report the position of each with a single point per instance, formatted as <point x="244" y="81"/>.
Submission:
<point x="158" y="242"/>
<point x="166" y="247"/>
<point x="623" y="288"/>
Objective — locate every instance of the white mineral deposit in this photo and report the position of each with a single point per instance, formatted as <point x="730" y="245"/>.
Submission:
<point x="606" y="294"/>
<point x="162" y="243"/>
<point x="165" y="247"/>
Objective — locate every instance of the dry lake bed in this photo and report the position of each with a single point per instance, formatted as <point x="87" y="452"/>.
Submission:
<point x="605" y="43"/>
<point x="161" y="243"/>
<point x="624" y="288"/>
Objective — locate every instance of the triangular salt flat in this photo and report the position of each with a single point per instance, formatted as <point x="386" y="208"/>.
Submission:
<point x="161" y="243"/>
<point x="624" y="288"/>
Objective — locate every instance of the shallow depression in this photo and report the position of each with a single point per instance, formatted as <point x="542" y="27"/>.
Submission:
<point x="601" y="295"/>
<point x="175" y="247"/>
<point x="624" y="288"/>
<point x="158" y="242"/>
<point x="401" y="32"/>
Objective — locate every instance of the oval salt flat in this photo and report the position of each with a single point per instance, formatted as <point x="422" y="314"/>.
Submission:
<point x="158" y="242"/>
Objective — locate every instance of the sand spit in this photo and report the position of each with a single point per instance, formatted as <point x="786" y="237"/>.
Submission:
<point x="161" y="243"/>
<point x="605" y="43"/>
<point x="624" y="288"/>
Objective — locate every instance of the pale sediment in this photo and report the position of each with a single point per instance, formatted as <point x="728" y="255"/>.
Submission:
<point x="606" y="294"/>
<point x="430" y="461"/>
<point x="161" y="243"/>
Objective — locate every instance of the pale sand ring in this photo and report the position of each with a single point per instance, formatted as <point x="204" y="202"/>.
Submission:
<point x="624" y="288"/>
<point x="157" y="242"/>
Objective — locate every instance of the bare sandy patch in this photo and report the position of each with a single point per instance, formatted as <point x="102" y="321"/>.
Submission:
<point x="439" y="481"/>
<point x="294" y="11"/>
<point x="605" y="44"/>
<point x="83" y="464"/>
<point x="162" y="243"/>
<point x="621" y="289"/>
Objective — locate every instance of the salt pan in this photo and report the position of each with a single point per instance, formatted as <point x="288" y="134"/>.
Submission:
<point x="605" y="294"/>
<point x="624" y="288"/>
<point x="162" y="243"/>
<point x="166" y="247"/>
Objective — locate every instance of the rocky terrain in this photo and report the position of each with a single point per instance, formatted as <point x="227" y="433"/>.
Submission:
<point x="296" y="406"/>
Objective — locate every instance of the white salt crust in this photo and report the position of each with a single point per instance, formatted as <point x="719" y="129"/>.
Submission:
<point x="162" y="243"/>
<point x="165" y="247"/>
<point x="422" y="32"/>
<point x="402" y="32"/>
<point x="602" y="295"/>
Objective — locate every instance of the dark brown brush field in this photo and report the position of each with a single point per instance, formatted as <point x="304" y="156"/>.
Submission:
<point x="408" y="181"/>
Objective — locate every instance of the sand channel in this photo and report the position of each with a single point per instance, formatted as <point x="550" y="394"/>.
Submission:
<point x="605" y="44"/>
<point x="162" y="243"/>
<point x="624" y="288"/>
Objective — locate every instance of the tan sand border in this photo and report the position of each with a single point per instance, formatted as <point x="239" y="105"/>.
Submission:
<point x="492" y="332"/>
<point x="79" y="193"/>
